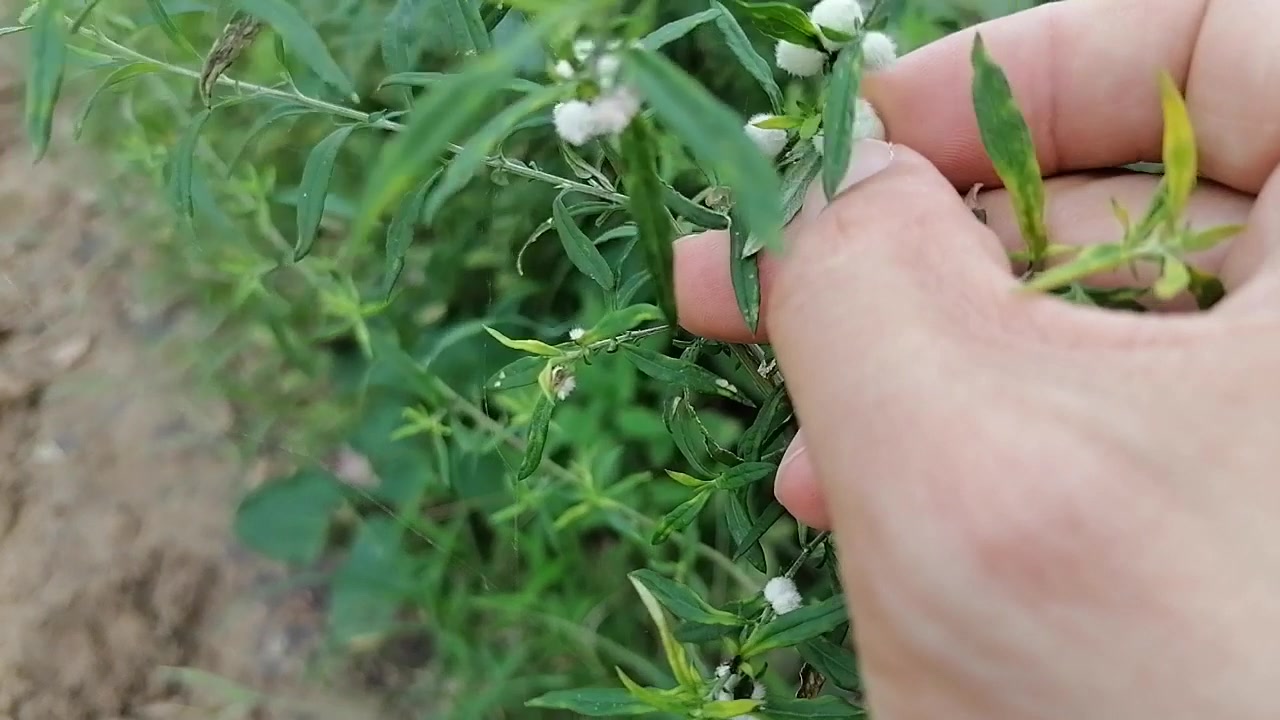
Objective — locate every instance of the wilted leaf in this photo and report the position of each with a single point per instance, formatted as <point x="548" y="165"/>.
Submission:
<point x="236" y="37"/>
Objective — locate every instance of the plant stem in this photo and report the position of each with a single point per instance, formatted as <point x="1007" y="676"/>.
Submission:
<point x="515" y="168"/>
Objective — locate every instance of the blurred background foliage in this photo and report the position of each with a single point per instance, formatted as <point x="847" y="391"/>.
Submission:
<point x="506" y="592"/>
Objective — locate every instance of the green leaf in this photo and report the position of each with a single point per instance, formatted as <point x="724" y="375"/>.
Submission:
<point x="1211" y="238"/>
<point x="400" y="232"/>
<point x="687" y="432"/>
<point x="1090" y="260"/>
<point x="827" y="706"/>
<point x="796" y="181"/>
<point x="740" y="45"/>
<point x="46" y="60"/>
<point x="366" y="589"/>
<point x="657" y="235"/>
<point x="1008" y="142"/>
<point x="301" y="38"/>
<point x="1207" y="289"/>
<point x="745" y="474"/>
<point x="683" y="602"/>
<point x="621" y="321"/>
<point x="694" y="633"/>
<point x="668" y="701"/>
<point x="455" y="26"/>
<point x="521" y="373"/>
<point x="455" y="104"/>
<point x="775" y="412"/>
<point x="1174" y="278"/>
<point x="535" y="347"/>
<point x="797" y="626"/>
<point x="782" y="21"/>
<point x="424" y="79"/>
<point x="713" y="134"/>
<point x="1180" y="162"/>
<point x="117" y="77"/>
<point x="682" y="373"/>
<point x="536" y="441"/>
<point x="699" y="215"/>
<point x="726" y="709"/>
<point x="402" y="35"/>
<point x="475" y="151"/>
<point x="288" y="519"/>
<point x="837" y="663"/>
<point x="738" y="520"/>
<point x="837" y="118"/>
<point x="182" y="164"/>
<point x="688" y="481"/>
<point x="261" y="123"/>
<point x="744" y="273"/>
<point x="677" y="659"/>
<point x="581" y="251"/>
<point x="592" y="702"/>
<point x="314" y="188"/>
<point x="167" y="26"/>
<point x="681" y="517"/>
<point x="773" y="512"/>
<point x="677" y="29"/>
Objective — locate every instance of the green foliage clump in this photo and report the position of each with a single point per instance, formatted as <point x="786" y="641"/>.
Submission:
<point x="362" y="194"/>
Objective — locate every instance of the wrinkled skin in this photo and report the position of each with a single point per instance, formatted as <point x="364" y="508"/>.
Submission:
<point x="1043" y="511"/>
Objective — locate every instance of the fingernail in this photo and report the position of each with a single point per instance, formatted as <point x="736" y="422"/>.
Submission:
<point x="794" y="451"/>
<point x="870" y="157"/>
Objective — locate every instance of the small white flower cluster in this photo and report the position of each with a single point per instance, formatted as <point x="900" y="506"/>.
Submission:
<point x="563" y="382"/>
<point x="782" y="595"/>
<point x="730" y="684"/>
<point x="579" y="121"/>
<point x="844" y="16"/>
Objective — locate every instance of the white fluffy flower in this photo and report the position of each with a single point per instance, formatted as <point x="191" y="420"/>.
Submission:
<point x="575" y="121"/>
<point x="771" y="141"/>
<point x="798" y="59"/>
<point x="582" y="49"/>
<point x="841" y="15"/>
<point x="607" y="68"/>
<point x="565" y="387"/>
<point x="782" y="595"/>
<point x="866" y="124"/>
<point x="878" y="51"/>
<point x="564" y="70"/>
<point x="758" y="691"/>
<point x="615" y="110"/>
<point x="576" y="334"/>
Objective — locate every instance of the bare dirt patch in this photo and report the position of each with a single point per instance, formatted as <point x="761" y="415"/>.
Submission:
<point x="117" y="483"/>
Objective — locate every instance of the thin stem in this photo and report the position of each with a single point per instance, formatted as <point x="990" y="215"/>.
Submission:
<point x="500" y="163"/>
<point x="818" y="541"/>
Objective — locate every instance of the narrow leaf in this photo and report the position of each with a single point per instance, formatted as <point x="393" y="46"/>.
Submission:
<point x="740" y="45"/>
<point x="713" y="133"/>
<point x="781" y="21"/>
<point x="771" y="515"/>
<point x="182" y="165"/>
<point x="117" y="77"/>
<point x="45" y="64"/>
<point x="1008" y="142"/>
<point x="798" y="177"/>
<point x="535" y="347"/>
<point x="681" y="373"/>
<point x="520" y="373"/>
<point x="677" y="29"/>
<point x="314" y="188"/>
<point x="745" y="474"/>
<point x="1174" y="278"/>
<point x="683" y="602"/>
<point x="167" y="26"/>
<point x="621" y="321"/>
<point x="456" y="26"/>
<point x="837" y="118"/>
<point x="592" y="702"/>
<point x="798" y="626"/>
<point x="681" y="517"/>
<point x="827" y="706"/>
<point x="302" y="39"/>
<point x="1180" y="161"/>
<point x="738" y="520"/>
<point x="400" y="232"/>
<point x="836" y="662"/>
<point x="536" y="441"/>
<point x="677" y="659"/>
<point x="1091" y="260"/>
<point x="699" y="215"/>
<point x="744" y="273"/>
<point x="581" y="251"/>
<point x="647" y="209"/>
<point x="775" y="411"/>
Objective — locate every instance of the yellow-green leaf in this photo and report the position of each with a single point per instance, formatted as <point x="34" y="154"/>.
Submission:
<point x="1180" y="162"/>
<point x="1008" y="143"/>
<point x="1208" y="239"/>
<point x="1091" y="260"/>
<point x="535" y="347"/>
<point x="1174" y="278"/>
<point x="724" y="709"/>
<point x="677" y="658"/>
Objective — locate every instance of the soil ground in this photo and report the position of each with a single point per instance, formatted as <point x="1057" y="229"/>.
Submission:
<point x="117" y="483"/>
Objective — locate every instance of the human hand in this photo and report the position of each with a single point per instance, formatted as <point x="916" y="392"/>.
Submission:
<point x="1043" y="510"/>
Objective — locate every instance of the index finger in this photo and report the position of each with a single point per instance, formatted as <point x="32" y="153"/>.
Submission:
<point x="1084" y="73"/>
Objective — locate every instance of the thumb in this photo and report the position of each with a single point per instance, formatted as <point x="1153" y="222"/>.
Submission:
<point x="883" y="297"/>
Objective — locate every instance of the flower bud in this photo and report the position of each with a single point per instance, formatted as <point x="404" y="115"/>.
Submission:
<point x="878" y="51"/>
<point x="841" y="15"/>
<point x="575" y="121"/>
<point x="782" y="595"/>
